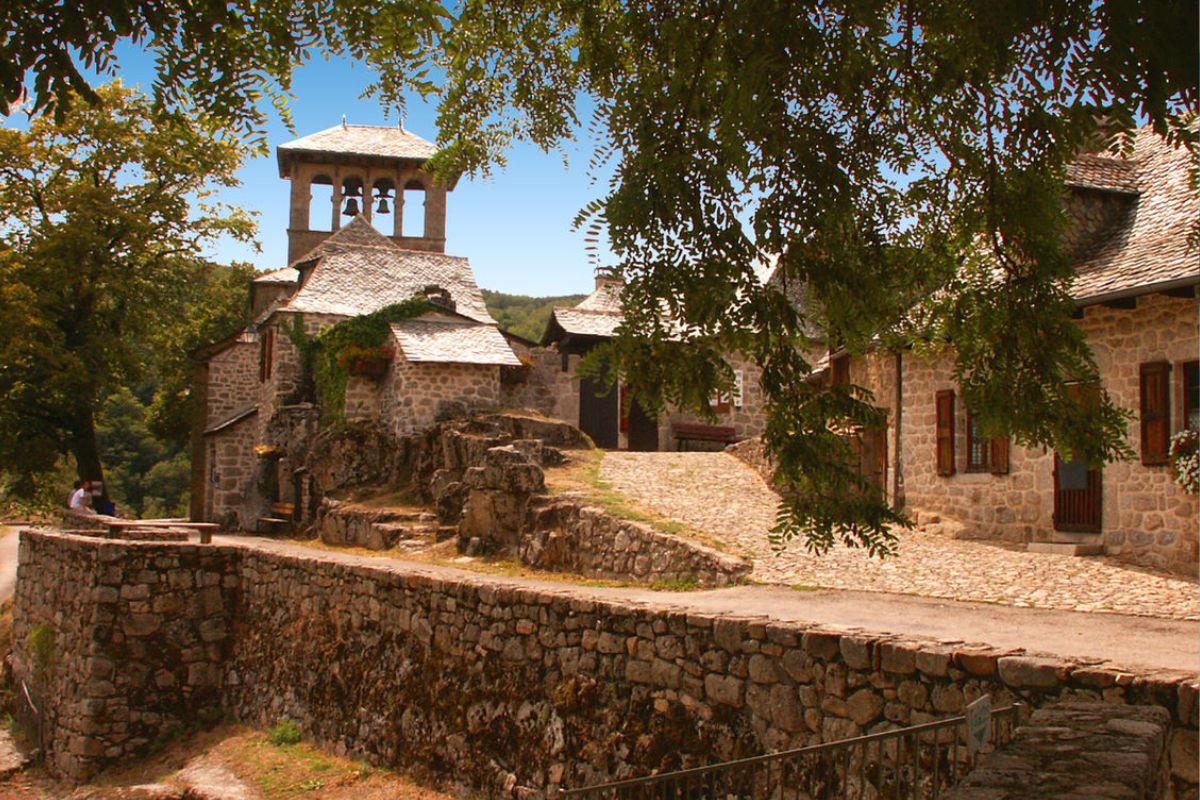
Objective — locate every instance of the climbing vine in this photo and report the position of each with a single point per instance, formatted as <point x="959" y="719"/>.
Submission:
<point x="324" y="359"/>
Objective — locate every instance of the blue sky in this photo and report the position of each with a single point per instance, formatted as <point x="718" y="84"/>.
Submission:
<point x="514" y="227"/>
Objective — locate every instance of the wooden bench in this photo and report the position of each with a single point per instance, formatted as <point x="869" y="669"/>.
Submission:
<point x="205" y="529"/>
<point x="694" y="432"/>
<point x="280" y="519"/>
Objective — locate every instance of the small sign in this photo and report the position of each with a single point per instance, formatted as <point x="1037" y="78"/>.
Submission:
<point x="979" y="724"/>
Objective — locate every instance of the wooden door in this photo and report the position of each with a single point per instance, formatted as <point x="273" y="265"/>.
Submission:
<point x="643" y="429"/>
<point x="873" y="457"/>
<point x="598" y="415"/>
<point x="1078" y="497"/>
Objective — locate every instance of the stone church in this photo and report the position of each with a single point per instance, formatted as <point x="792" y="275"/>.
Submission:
<point x="248" y="387"/>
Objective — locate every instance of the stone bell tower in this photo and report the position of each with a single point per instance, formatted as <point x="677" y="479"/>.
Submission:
<point x="371" y="169"/>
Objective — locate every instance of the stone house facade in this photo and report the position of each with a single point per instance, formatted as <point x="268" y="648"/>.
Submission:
<point x="1136" y="297"/>
<point x="255" y="401"/>
<point x="610" y="416"/>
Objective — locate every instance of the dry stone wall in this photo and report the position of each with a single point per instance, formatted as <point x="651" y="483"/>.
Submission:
<point x="565" y="535"/>
<point x="1076" y="750"/>
<point x="119" y="643"/>
<point x="513" y="689"/>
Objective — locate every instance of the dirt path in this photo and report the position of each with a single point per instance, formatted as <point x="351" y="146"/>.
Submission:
<point x="8" y="561"/>
<point x="719" y="495"/>
<point x="1123" y="640"/>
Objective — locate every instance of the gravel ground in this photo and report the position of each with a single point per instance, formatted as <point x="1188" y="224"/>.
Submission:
<point x="718" y="494"/>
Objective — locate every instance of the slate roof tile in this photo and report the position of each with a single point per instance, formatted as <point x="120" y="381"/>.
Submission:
<point x="422" y="340"/>
<point x="359" y="270"/>
<point x="363" y="140"/>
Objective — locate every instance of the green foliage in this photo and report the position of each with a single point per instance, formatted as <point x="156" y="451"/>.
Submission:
<point x="523" y="315"/>
<point x="41" y="642"/>
<point x="886" y="152"/>
<point x="323" y="356"/>
<point x="104" y="212"/>
<point x="284" y="732"/>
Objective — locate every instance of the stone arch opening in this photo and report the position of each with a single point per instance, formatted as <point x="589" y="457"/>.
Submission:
<point x="414" y="209"/>
<point x="320" y="204"/>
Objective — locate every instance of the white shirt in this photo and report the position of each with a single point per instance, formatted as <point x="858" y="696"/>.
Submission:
<point x="76" y="501"/>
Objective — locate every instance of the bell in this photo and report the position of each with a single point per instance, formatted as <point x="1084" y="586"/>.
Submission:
<point x="351" y="209"/>
<point x="382" y="208"/>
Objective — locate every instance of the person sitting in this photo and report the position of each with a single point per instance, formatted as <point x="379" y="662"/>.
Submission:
<point x="81" y="498"/>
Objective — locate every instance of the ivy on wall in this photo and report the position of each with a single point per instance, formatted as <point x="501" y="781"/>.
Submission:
<point x="324" y="369"/>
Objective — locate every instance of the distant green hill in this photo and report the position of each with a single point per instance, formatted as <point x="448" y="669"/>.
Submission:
<point x="523" y="315"/>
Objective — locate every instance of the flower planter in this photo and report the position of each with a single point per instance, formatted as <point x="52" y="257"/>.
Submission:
<point x="363" y="368"/>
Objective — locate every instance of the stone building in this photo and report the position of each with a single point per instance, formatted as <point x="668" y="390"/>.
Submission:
<point x="1135" y="292"/>
<point x="253" y="398"/>
<point x="610" y="416"/>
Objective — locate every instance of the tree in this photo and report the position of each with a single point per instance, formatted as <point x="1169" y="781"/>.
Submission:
<point x="901" y="159"/>
<point x="105" y="213"/>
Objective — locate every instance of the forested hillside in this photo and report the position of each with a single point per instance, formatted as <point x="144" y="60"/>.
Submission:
<point x="524" y="315"/>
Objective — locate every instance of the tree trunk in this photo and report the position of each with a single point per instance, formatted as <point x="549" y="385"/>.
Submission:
<point x="87" y="454"/>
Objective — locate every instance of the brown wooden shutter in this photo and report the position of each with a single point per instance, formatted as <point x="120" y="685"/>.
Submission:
<point x="1156" y="416"/>
<point x="266" y="354"/>
<point x="945" y="432"/>
<point x="998" y="457"/>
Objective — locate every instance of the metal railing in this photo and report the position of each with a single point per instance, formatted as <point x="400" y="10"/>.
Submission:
<point x="919" y="762"/>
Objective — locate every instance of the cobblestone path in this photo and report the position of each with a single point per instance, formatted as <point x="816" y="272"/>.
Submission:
<point x="717" y="494"/>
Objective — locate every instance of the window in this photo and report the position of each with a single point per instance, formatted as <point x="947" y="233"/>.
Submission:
<point x="839" y="371"/>
<point x="977" y="447"/>
<point x="944" y="401"/>
<point x="1156" y="413"/>
<point x="266" y="354"/>
<point x="985" y="454"/>
<point x="1191" y="395"/>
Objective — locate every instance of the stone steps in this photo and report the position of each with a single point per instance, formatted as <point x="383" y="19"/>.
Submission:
<point x="1066" y="548"/>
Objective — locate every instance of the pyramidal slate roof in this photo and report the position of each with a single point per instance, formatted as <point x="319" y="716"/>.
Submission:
<point x="598" y="314"/>
<point x="358" y="270"/>
<point x="1150" y="248"/>
<point x="362" y="140"/>
<point x="452" y="342"/>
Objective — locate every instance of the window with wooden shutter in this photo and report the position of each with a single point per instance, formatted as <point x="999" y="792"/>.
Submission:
<point x="945" y="432"/>
<point x="1156" y="412"/>
<point x="978" y="447"/>
<point x="998" y="455"/>
<point x="266" y="354"/>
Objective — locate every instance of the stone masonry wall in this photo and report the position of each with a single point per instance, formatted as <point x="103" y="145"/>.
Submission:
<point x="545" y="387"/>
<point x="1077" y="750"/>
<point x="415" y="394"/>
<point x="119" y="642"/>
<point x="506" y="687"/>
<point x="232" y="381"/>
<point x="564" y="535"/>
<point x="1146" y="517"/>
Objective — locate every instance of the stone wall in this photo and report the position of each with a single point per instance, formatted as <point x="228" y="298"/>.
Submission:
<point x="544" y="386"/>
<point x="1093" y="750"/>
<point x="565" y="535"/>
<point x="1146" y="517"/>
<point x="414" y="395"/>
<point x="232" y="381"/>
<point x="232" y="467"/>
<point x="499" y="685"/>
<point x="119" y="643"/>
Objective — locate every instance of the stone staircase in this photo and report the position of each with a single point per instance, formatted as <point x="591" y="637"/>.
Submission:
<point x="1069" y="544"/>
<point x="379" y="527"/>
